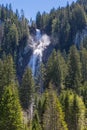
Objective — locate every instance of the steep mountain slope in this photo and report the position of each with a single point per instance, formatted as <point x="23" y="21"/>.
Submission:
<point x="63" y="24"/>
<point x="43" y="69"/>
<point x="65" y="27"/>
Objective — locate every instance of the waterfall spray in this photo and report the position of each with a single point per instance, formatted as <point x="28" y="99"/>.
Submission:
<point x="39" y="44"/>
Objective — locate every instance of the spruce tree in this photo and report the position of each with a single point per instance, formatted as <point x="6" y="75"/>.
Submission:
<point x="78" y="116"/>
<point x="27" y="89"/>
<point x="53" y="117"/>
<point x="83" y="54"/>
<point x="56" y="70"/>
<point x="11" y="117"/>
<point x="10" y="39"/>
<point x="7" y="72"/>
<point x="36" y="122"/>
<point x="74" y="109"/>
<point x="1" y="78"/>
<point x="74" y="77"/>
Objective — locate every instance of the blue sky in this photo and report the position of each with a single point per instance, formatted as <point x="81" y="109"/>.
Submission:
<point x="31" y="7"/>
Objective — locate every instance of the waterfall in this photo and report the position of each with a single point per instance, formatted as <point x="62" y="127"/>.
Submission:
<point x="39" y="44"/>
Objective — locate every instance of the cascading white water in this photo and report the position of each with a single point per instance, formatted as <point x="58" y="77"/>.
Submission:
<point x="39" y="44"/>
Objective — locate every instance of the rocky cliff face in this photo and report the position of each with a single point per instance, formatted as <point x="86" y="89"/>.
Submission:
<point x="80" y="36"/>
<point x="23" y="60"/>
<point x="39" y="48"/>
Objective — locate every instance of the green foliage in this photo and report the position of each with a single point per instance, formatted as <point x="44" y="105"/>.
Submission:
<point x="53" y="117"/>
<point x="78" y="13"/>
<point x="38" y="20"/>
<point x="56" y="70"/>
<point x="63" y="23"/>
<point x="66" y="70"/>
<point x="14" y="32"/>
<point x="10" y="110"/>
<point x="74" y="77"/>
<point x="12" y="39"/>
<point x="27" y="89"/>
<point x="83" y="92"/>
<point x="7" y="73"/>
<point x="36" y="123"/>
<point x="83" y="56"/>
<point x="74" y="109"/>
<point x="9" y="70"/>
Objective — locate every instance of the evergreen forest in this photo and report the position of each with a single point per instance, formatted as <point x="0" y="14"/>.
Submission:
<point x="55" y="99"/>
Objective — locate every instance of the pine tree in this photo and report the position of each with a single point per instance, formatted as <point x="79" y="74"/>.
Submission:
<point x="84" y="64"/>
<point x="9" y="72"/>
<point x="10" y="38"/>
<point x="27" y="89"/>
<point x="67" y="109"/>
<point x="36" y="122"/>
<point x="83" y="92"/>
<point x="38" y="20"/>
<point x="74" y="77"/>
<point x="53" y="117"/>
<point x="10" y="110"/>
<point x="78" y="116"/>
<point x="1" y="78"/>
<point x="79" y="13"/>
<point x="56" y="70"/>
<point x="74" y="109"/>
